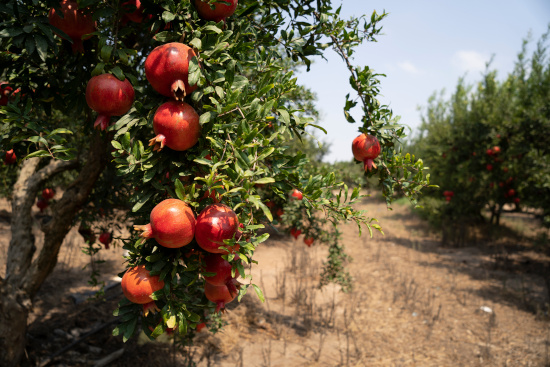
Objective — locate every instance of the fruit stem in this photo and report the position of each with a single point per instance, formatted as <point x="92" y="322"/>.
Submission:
<point x="102" y="121"/>
<point x="157" y="142"/>
<point x="220" y="306"/>
<point x="146" y="230"/>
<point x="178" y="90"/>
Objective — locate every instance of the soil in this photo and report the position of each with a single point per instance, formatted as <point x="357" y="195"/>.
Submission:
<point x="414" y="303"/>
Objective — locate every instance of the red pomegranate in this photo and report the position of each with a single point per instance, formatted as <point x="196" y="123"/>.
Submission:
<point x="172" y="224"/>
<point x="295" y="232"/>
<point x="48" y="193"/>
<point x="448" y="198"/>
<point x="309" y="241"/>
<point x="216" y="264"/>
<point x="5" y="92"/>
<point x="448" y="193"/>
<point x="216" y="223"/>
<point x="138" y="284"/>
<point x="74" y="23"/>
<point x="167" y="69"/>
<point x="511" y="192"/>
<point x="10" y="157"/>
<point x="200" y="326"/>
<point x="489" y="167"/>
<point x="280" y="212"/>
<point x="109" y="96"/>
<point x="505" y="169"/>
<point x="516" y="200"/>
<point x="105" y="238"/>
<point x="86" y="233"/>
<point x="42" y="204"/>
<point x="176" y="125"/>
<point x="135" y="16"/>
<point x="496" y="149"/>
<point x="219" y="11"/>
<point x="366" y="148"/>
<point x="220" y="295"/>
<point x="489" y="151"/>
<point x="297" y="194"/>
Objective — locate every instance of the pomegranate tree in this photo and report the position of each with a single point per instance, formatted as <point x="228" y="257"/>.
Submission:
<point x="366" y="148"/>
<point x="176" y="125"/>
<point x="109" y="96"/>
<point x="216" y="223"/>
<point x="73" y="21"/>
<point x="138" y="284"/>
<point x="172" y="224"/>
<point x="216" y="12"/>
<point x="167" y="70"/>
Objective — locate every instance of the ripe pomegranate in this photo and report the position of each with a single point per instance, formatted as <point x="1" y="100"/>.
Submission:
<point x="138" y="284"/>
<point x="501" y="184"/>
<point x="167" y="69"/>
<point x="216" y="223"/>
<point x="496" y="149"/>
<point x="42" y="204"/>
<point x="135" y="16"/>
<point x="5" y="92"/>
<point x="489" y="167"/>
<point x="511" y="192"/>
<point x="448" y="193"/>
<point x="176" y="125"/>
<point x="108" y="96"/>
<point x="295" y="232"/>
<point x="489" y="151"/>
<point x="280" y="212"/>
<point x="10" y="157"/>
<point x="505" y="169"/>
<point x="74" y="23"/>
<point x="220" y="295"/>
<point x="309" y="241"/>
<point x="366" y="148"/>
<point x="172" y="224"/>
<point x="516" y="200"/>
<point x="297" y="194"/>
<point x="105" y="238"/>
<point x="86" y="233"/>
<point x="219" y="11"/>
<point x="216" y="264"/>
<point x="48" y="194"/>
<point x="448" y="198"/>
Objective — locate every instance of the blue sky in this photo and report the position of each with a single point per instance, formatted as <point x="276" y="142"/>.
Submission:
<point x="425" y="47"/>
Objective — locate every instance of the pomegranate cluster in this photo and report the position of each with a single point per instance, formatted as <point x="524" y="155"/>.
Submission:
<point x="173" y="225"/>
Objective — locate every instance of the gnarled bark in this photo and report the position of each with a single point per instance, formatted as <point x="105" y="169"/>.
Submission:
<point x="24" y="276"/>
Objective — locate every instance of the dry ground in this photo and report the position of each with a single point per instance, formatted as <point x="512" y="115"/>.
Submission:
<point x="414" y="304"/>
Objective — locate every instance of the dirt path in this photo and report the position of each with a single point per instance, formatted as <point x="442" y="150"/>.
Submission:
<point x="414" y="304"/>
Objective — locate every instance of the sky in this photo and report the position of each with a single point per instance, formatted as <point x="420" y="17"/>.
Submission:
<point x="425" y="46"/>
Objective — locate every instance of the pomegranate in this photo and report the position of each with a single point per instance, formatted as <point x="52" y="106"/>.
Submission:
<point x="86" y="233"/>
<point x="489" y="167"/>
<point x="105" y="238"/>
<point x="220" y="295"/>
<point x="448" y="198"/>
<point x="280" y="212"/>
<point x="309" y="241"/>
<point x="496" y="149"/>
<point x="108" y="96"/>
<point x="448" y="193"/>
<point x="216" y="264"/>
<point x="511" y="192"/>
<point x="48" y="194"/>
<point x="295" y="232"/>
<point x="135" y="16"/>
<point x="10" y="157"/>
<point x="489" y="151"/>
<point x="167" y="69"/>
<point x="5" y="92"/>
<point x="516" y="200"/>
<point x="218" y="12"/>
<point x="297" y="194"/>
<point x="42" y="204"/>
<point x="505" y="169"/>
<point x="216" y="223"/>
<point x="172" y="224"/>
<point x="366" y="148"/>
<point x="176" y="125"/>
<point x="74" y="23"/>
<point x="138" y="284"/>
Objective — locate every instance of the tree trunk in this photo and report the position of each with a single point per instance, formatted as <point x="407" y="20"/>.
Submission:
<point x="24" y="276"/>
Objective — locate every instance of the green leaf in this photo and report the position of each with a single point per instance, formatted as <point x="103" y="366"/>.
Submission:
<point x="38" y="153"/>
<point x="264" y="180"/>
<point x="180" y="190"/>
<point x="141" y="202"/>
<point x="116" y="71"/>
<point x="106" y="52"/>
<point x="206" y="117"/>
<point x="259" y="293"/>
<point x="41" y="46"/>
<point x="167" y="17"/>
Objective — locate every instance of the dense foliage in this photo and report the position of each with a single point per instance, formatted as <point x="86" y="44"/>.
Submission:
<point x="488" y="145"/>
<point x="250" y="110"/>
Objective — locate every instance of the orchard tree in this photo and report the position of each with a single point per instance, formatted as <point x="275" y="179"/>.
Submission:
<point x="488" y="145"/>
<point x="180" y="115"/>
